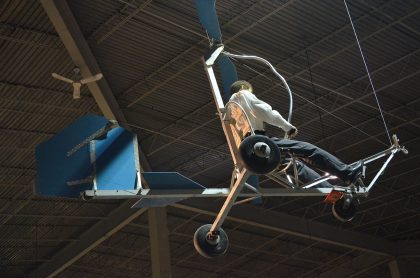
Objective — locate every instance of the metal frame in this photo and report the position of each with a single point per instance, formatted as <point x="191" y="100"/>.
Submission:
<point x="91" y="140"/>
<point x="240" y="173"/>
<point x="66" y="26"/>
<point x="210" y="192"/>
<point x="295" y="191"/>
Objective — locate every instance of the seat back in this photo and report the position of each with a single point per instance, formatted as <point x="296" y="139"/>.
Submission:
<point x="238" y="123"/>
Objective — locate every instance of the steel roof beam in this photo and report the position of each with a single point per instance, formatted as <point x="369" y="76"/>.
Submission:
<point x="408" y="249"/>
<point x="122" y="22"/>
<point x="242" y="31"/>
<point x="69" y="31"/>
<point x="288" y="224"/>
<point x="394" y="269"/>
<point x="94" y="236"/>
<point x="355" y="266"/>
<point x="159" y="246"/>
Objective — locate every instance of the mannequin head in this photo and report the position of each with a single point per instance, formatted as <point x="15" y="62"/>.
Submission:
<point x="240" y="85"/>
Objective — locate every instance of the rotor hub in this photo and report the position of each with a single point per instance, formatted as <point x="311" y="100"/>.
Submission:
<point x="213" y="238"/>
<point x="262" y="150"/>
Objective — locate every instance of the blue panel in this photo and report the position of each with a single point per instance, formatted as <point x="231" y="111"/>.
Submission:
<point x="206" y="10"/>
<point x="165" y="181"/>
<point x="254" y="181"/>
<point x="156" y="202"/>
<point x="115" y="161"/>
<point x="207" y="14"/>
<point x="55" y="168"/>
<point x="228" y="74"/>
<point x="170" y="180"/>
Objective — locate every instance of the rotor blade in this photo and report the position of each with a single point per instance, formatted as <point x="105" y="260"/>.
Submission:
<point x="207" y="14"/>
<point x="62" y="78"/>
<point x="93" y="78"/>
<point x="206" y="10"/>
<point x="228" y="74"/>
<point x="76" y="90"/>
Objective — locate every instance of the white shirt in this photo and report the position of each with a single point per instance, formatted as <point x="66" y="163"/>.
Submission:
<point x="259" y="112"/>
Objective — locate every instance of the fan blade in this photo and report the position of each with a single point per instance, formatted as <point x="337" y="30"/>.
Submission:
<point x="62" y="78"/>
<point x="76" y="90"/>
<point x="93" y="78"/>
<point x="207" y="14"/>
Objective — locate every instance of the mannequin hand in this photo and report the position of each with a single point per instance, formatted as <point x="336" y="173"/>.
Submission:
<point x="292" y="132"/>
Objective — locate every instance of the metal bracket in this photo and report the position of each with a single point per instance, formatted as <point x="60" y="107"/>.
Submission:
<point x="214" y="55"/>
<point x="295" y="171"/>
<point x="396" y="144"/>
<point x="81" y="181"/>
<point x="93" y="136"/>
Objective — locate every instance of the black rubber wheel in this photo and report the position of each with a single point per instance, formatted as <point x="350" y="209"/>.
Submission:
<point x="255" y="163"/>
<point x="206" y="247"/>
<point x="344" y="209"/>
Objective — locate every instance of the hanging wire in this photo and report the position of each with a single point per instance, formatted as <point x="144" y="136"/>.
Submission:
<point x="314" y="91"/>
<point x="208" y="38"/>
<point x="367" y="71"/>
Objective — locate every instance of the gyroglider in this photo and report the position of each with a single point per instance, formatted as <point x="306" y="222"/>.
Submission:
<point x="245" y="146"/>
<point x="97" y="158"/>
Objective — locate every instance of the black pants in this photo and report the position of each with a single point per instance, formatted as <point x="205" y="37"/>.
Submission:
<point x="316" y="157"/>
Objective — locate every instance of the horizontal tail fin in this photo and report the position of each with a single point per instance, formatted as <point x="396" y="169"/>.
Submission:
<point x="165" y="181"/>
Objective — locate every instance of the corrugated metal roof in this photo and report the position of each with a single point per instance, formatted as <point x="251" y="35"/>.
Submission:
<point x="152" y="63"/>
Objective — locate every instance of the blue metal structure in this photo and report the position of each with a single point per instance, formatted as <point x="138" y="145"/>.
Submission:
<point x="96" y="158"/>
<point x="92" y="153"/>
<point x="169" y="182"/>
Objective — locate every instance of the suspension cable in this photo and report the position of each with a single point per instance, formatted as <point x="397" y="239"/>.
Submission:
<point x="368" y="73"/>
<point x="252" y="57"/>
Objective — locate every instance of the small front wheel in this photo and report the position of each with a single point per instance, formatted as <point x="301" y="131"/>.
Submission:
<point x="344" y="209"/>
<point x="210" y="245"/>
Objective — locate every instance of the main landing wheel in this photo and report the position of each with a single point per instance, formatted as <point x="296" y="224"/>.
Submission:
<point x="259" y="154"/>
<point x="210" y="245"/>
<point x="344" y="209"/>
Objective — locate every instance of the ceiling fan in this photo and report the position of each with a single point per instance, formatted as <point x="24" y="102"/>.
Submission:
<point x="77" y="84"/>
